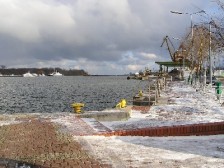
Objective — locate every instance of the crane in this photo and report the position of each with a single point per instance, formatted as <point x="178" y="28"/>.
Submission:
<point x="174" y="54"/>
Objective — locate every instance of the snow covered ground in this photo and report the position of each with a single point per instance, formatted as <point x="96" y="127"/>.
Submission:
<point x="167" y="152"/>
<point x="186" y="105"/>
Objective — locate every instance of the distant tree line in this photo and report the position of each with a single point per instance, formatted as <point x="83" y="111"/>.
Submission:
<point x="46" y="71"/>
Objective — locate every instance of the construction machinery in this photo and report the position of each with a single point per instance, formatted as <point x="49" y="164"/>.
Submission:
<point x="175" y="55"/>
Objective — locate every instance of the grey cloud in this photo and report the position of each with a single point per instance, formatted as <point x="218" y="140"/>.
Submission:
<point x="94" y="30"/>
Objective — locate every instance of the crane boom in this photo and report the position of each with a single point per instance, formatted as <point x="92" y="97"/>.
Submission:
<point x="170" y="47"/>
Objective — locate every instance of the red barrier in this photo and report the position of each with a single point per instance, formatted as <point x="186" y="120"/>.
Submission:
<point x="177" y="130"/>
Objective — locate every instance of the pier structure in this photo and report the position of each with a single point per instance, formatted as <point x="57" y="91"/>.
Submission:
<point x="152" y="94"/>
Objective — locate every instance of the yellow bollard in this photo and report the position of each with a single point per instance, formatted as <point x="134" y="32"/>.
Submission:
<point x="77" y="107"/>
<point x="140" y="93"/>
<point x="121" y="104"/>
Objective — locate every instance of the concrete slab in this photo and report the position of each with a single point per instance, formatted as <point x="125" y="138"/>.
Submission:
<point x="112" y="115"/>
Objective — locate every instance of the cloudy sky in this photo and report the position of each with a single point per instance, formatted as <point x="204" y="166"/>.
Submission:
<point x="99" y="36"/>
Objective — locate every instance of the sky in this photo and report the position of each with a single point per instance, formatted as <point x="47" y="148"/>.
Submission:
<point x="103" y="37"/>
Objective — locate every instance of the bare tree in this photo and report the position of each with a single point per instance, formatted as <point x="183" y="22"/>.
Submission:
<point x="196" y="47"/>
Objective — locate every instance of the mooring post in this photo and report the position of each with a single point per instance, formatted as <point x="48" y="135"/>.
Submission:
<point x="158" y="87"/>
<point x="149" y="95"/>
<point x="156" y="95"/>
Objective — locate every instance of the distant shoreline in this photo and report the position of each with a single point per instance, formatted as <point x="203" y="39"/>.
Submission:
<point x="108" y="75"/>
<point x="63" y="75"/>
<point x="41" y="71"/>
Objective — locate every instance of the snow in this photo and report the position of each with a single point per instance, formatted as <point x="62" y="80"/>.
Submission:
<point x="186" y="105"/>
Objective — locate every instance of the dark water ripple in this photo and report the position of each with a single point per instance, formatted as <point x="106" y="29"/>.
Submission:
<point x="56" y="94"/>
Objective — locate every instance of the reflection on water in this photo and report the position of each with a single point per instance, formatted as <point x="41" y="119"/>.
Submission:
<point x="56" y="94"/>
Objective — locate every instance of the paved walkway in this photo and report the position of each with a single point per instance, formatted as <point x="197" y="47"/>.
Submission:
<point x="37" y="143"/>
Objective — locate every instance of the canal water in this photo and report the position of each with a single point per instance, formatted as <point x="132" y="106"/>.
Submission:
<point x="56" y="94"/>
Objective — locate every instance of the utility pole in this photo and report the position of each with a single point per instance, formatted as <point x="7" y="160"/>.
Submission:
<point x="192" y="29"/>
<point x="210" y="59"/>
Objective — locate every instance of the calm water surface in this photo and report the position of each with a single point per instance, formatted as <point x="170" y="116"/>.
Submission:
<point x="56" y="94"/>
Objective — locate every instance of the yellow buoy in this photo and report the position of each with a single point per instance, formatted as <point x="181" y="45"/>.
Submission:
<point x="78" y="107"/>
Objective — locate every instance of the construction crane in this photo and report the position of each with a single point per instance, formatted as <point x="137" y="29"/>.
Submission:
<point x="175" y="55"/>
<point x="194" y="47"/>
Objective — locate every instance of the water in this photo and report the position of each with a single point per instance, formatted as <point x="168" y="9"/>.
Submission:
<point x="56" y="94"/>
